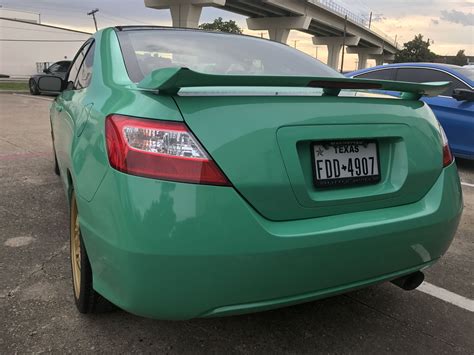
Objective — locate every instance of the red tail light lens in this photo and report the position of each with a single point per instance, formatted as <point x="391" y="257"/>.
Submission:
<point x="159" y="149"/>
<point x="447" y="155"/>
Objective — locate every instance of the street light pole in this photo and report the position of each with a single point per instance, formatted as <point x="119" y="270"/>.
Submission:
<point x="344" y="43"/>
<point x="93" y="16"/>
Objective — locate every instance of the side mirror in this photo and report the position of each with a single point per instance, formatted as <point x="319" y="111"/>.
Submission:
<point x="46" y="71"/>
<point x="50" y="83"/>
<point x="463" y="95"/>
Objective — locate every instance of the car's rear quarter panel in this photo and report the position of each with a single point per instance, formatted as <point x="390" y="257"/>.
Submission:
<point x="84" y="147"/>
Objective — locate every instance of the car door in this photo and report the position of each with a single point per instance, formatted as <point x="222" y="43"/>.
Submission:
<point x="70" y="109"/>
<point x="456" y="117"/>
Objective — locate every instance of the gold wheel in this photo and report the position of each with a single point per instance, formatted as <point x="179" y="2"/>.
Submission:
<point x="86" y="299"/>
<point x="75" y="249"/>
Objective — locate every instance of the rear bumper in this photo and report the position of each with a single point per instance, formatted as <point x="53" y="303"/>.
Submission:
<point x="463" y="154"/>
<point x="176" y="251"/>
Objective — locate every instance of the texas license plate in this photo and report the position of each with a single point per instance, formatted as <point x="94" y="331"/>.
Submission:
<point x="343" y="163"/>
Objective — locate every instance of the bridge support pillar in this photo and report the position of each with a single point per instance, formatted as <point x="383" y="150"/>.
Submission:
<point x="380" y="59"/>
<point x="184" y="13"/>
<point x="334" y="45"/>
<point x="365" y="54"/>
<point x="279" y="27"/>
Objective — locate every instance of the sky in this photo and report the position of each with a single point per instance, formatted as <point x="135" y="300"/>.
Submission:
<point x="448" y="23"/>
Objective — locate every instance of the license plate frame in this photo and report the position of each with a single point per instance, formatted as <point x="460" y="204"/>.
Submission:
<point x="345" y="181"/>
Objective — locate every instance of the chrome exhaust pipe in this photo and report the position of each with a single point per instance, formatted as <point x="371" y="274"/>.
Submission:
<point x="409" y="282"/>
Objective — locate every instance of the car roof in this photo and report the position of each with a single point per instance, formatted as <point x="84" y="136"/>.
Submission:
<point x="184" y="29"/>
<point x="446" y="67"/>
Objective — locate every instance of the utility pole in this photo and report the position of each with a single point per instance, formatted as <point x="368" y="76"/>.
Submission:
<point x="296" y="41"/>
<point x="344" y="43"/>
<point x="370" y="19"/>
<point x="316" y="52"/>
<point x="92" y="12"/>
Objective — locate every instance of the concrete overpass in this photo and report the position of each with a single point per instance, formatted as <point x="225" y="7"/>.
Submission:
<point x="323" y="19"/>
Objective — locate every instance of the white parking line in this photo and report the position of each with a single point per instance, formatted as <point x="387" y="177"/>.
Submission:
<point x="447" y="296"/>
<point x="467" y="184"/>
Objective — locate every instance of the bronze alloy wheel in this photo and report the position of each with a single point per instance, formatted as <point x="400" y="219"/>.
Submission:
<point x="85" y="297"/>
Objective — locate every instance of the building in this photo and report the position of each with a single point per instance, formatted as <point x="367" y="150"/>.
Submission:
<point x="451" y="59"/>
<point x="27" y="46"/>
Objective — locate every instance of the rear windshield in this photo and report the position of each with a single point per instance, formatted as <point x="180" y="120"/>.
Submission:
<point x="146" y="50"/>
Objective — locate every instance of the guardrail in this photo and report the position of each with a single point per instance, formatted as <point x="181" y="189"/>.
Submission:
<point x="335" y="7"/>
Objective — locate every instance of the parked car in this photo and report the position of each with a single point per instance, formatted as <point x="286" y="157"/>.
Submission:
<point x="56" y="69"/>
<point x="454" y="108"/>
<point x="194" y="192"/>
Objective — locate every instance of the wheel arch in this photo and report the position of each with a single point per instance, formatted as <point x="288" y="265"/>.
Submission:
<point x="69" y="185"/>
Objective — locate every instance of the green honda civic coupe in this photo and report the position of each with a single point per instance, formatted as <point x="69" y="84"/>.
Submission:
<point x="213" y="174"/>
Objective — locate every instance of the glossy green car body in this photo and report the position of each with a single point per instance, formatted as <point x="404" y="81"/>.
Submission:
<point x="172" y="250"/>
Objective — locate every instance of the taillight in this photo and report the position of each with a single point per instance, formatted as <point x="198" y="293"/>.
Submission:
<point x="159" y="149"/>
<point x="447" y="155"/>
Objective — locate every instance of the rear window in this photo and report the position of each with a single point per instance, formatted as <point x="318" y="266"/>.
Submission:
<point x="426" y="75"/>
<point x="467" y="72"/>
<point x="382" y="74"/>
<point x="146" y="50"/>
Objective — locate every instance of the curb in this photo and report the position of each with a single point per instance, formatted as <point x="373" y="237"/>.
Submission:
<point x="14" y="92"/>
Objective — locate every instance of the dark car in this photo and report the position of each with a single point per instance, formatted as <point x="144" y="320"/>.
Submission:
<point x="454" y="108"/>
<point x="56" y="69"/>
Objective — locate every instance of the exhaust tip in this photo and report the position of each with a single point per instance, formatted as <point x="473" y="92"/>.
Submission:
<point x="409" y="282"/>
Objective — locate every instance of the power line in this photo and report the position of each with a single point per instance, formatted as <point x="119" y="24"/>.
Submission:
<point x="36" y="30"/>
<point x="112" y="17"/>
<point x="40" y="40"/>
<point x="50" y="9"/>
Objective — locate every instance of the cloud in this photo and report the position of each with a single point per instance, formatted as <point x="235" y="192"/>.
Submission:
<point x="434" y="21"/>
<point x="378" y="17"/>
<point x="459" y="17"/>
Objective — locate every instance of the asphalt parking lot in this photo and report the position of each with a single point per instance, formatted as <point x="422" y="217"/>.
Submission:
<point x="36" y="293"/>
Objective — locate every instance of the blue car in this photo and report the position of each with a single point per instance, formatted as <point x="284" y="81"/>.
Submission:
<point x="454" y="108"/>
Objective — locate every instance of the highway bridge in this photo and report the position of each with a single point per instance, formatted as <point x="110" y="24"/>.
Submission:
<point x="323" y="19"/>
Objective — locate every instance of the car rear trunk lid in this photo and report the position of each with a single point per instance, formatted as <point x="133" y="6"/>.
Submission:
<point x="263" y="144"/>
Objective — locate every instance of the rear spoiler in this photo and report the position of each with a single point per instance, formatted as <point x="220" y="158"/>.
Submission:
<point x="170" y="80"/>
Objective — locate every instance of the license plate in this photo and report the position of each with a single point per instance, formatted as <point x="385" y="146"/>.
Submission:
<point x="345" y="163"/>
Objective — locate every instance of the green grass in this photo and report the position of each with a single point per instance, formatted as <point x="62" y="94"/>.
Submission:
<point x="13" y="86"/>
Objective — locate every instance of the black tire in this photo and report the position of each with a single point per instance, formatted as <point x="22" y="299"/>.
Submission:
<point x="87" y="300"/>
<point x="56" y="166"/>
<point x="33" y="87"/>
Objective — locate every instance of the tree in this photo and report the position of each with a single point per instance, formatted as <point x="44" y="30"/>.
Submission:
<point x="460" y="58"/>
<point x="222" y="26"/>
<point x="416" y="50"/>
